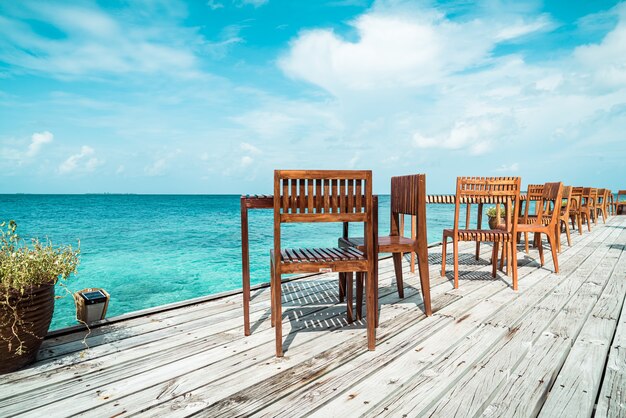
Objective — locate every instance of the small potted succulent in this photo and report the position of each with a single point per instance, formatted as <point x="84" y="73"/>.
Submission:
<point x="495" y="218"/>
<point x="28" y="275"/>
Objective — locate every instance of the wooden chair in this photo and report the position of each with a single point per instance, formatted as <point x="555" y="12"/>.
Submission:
<point x="602" y="204"/>
<point x="546" y="220"/>
<point x="611" y="202"/>
<point x="533" y="194"/>
<point x="304" y="196"/>
<point x="582" y="211"/>
<point x="564" y="218"/>
<point x="576" y="197"/>
<point x="500" y="190"/>
<point x="620" y="204"/>
<point x="408" y="197"/>
<point x="592" y="203"/>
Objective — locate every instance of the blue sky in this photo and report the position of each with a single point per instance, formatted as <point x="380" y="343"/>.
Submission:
<point x="211" y="96"/>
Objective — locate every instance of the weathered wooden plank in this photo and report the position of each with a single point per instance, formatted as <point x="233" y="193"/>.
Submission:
<point x="212" y="332"/>
<point x="473" y="391"/>
<point x="296" y="293"/>
<point x="213" y="366"/>
<point x="467" y="313"/>
<point x="527" y="387"/>
<point x="363" y="395"/>
<point x="612" y="398"/>
<point x="576" y="387"/>
<point x="201" y="360"/>
<point x="244" y="380"/>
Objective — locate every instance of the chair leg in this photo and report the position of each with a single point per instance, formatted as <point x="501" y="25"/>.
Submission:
<point x="455" y="247"/>
<point x="397" y="266"/>
<point x="580" y="223"/>
<point x="555" y="260"/>
<point x="567" y="234"/>
<point x="558" y="235"/>
<point x="444" y="244"/>
<point x="359" y="295"/>
<point x="494" y="259"/>
<point x="342" y="286"/>
<point x="514" y="263"/>
<point x="540" y="253"/>
<point x="526" y="242"/>
<point x="372" y="307"/>
<point x="422" y="264"/>
<point x="278" y="316"/>
<point x="502" y="256"/>
<point x="509" y="257"/>
<point x="349" y="297"/>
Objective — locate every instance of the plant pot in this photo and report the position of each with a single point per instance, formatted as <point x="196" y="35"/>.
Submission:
<point x="34" y="310"/>
<point x="494" y="222"/>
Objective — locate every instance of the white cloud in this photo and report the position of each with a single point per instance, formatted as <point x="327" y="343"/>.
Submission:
<point x="38" y="139"/>
<point x="606" y="60"/>
<point x="157" y="168"/>
<point x="244" y="146"/>
<point x="396" y="50"/>
<point x="246" y="161"/>
<point x="254" y="3"/>
<point x="84" y="161"/>
<point x="214" y="5"/>
<point x="161" y="164"/>
<point x="508" y="168"/>
<point x="95" y="42"/>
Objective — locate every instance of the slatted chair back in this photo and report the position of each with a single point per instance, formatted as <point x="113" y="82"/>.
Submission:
<point x="550" y="200"/>
<point x="408" y="197"/>
<point x="589" y="196"/>
<point x="567" y="194"/>
<point x="303" y="196"/>
<point x="620" y="201"/>
<point x="497" y="190"/>
<point x="576" y="198"/>
<point x="533" y="194"/>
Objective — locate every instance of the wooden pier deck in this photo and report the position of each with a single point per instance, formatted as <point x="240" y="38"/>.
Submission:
<point x="557" y="347"/>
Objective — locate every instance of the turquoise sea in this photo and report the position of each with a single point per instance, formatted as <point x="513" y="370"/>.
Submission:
<point x="149" y="250"/>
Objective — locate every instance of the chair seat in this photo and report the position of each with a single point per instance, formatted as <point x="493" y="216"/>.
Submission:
<point x="479" y="234"/>
<point x="386" y="244"/>
<point x="533" y="219"/>
<point x="320" y="255"/>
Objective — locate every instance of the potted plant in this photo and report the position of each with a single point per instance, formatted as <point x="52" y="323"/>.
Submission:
<point x="28" y="274"/>
<point x="495" y="218"/>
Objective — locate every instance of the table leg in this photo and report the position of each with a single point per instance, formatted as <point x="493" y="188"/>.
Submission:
<point x="245" y="267"/>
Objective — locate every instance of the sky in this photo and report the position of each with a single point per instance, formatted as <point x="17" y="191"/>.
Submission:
<point x="210" y="96"/>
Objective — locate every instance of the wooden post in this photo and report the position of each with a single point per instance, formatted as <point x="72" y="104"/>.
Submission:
<point x="245" y="266"/>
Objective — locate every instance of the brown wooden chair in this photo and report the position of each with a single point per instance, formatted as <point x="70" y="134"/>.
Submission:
<point x="547" y="220"/>
<point x="304" y="196"/>
<point x="500" y="190"/>
<point x="408" y="197"/>
<point x="620" y="204"/>
<point x="576" y="197"/>
<point x="564" y="218"/>
<point x="611" y="202"/>
<point x="588" y="205"/>
<point x="602" y="204"/>
<point x="533" y="194"/>
<point x="592" y="202"/>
